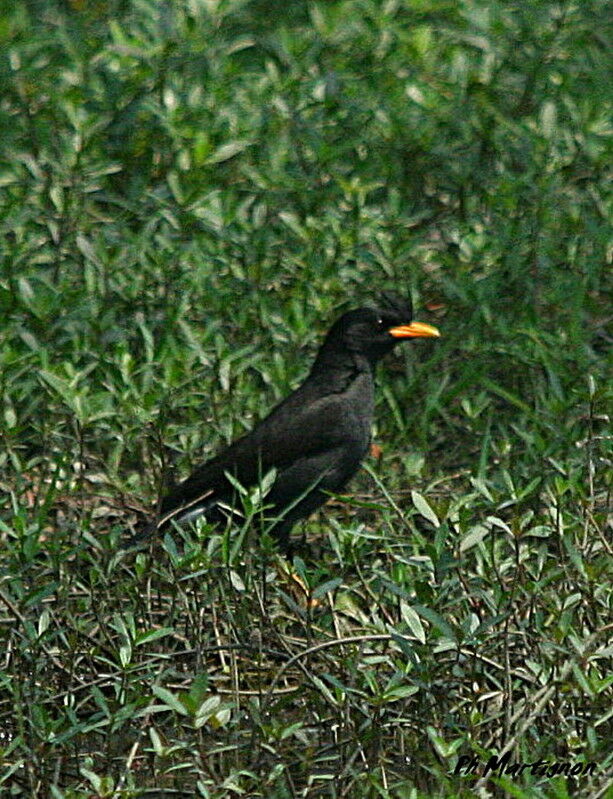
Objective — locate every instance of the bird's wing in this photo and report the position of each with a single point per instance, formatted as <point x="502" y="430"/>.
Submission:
<point x="305" y="424"/>
<point x="302" y="426"/>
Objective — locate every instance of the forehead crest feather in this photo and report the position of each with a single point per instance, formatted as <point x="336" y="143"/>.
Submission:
<point x="395" y="305"/>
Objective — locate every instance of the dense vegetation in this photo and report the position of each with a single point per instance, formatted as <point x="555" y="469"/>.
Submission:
<point x="191" y="191"/>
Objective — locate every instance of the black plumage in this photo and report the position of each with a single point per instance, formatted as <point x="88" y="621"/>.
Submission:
<point x="315" y="439"/>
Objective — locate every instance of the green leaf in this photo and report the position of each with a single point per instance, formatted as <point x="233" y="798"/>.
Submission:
<point x="327" y="588"/>
<point x="474" y="536"/>
<point x="574" y="555"/>
<point x="152" y="635"/>
<point x="59" y="385"/>
<point x="424" y="508"/>
<point x="413" y="621"/>
<point x="170" y="699"/>
<point x="228" y="150"/>
<point x="438" y="621"/>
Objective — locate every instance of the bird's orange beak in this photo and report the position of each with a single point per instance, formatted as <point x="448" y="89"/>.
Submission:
<point x="414" y="330"/>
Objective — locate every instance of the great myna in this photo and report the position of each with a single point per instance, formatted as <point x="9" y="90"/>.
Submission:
<point x="315" y="439"/>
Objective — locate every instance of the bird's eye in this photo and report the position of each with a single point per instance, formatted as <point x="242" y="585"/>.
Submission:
<point x="380" y="323"/>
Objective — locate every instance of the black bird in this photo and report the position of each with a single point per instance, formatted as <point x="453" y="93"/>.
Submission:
<point x="315" y="439"/>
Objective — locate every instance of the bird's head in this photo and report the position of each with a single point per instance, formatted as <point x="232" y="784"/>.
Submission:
<point x="372" y="332"/>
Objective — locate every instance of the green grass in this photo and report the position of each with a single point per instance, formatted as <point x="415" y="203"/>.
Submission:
<point x="191" y="192"/>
